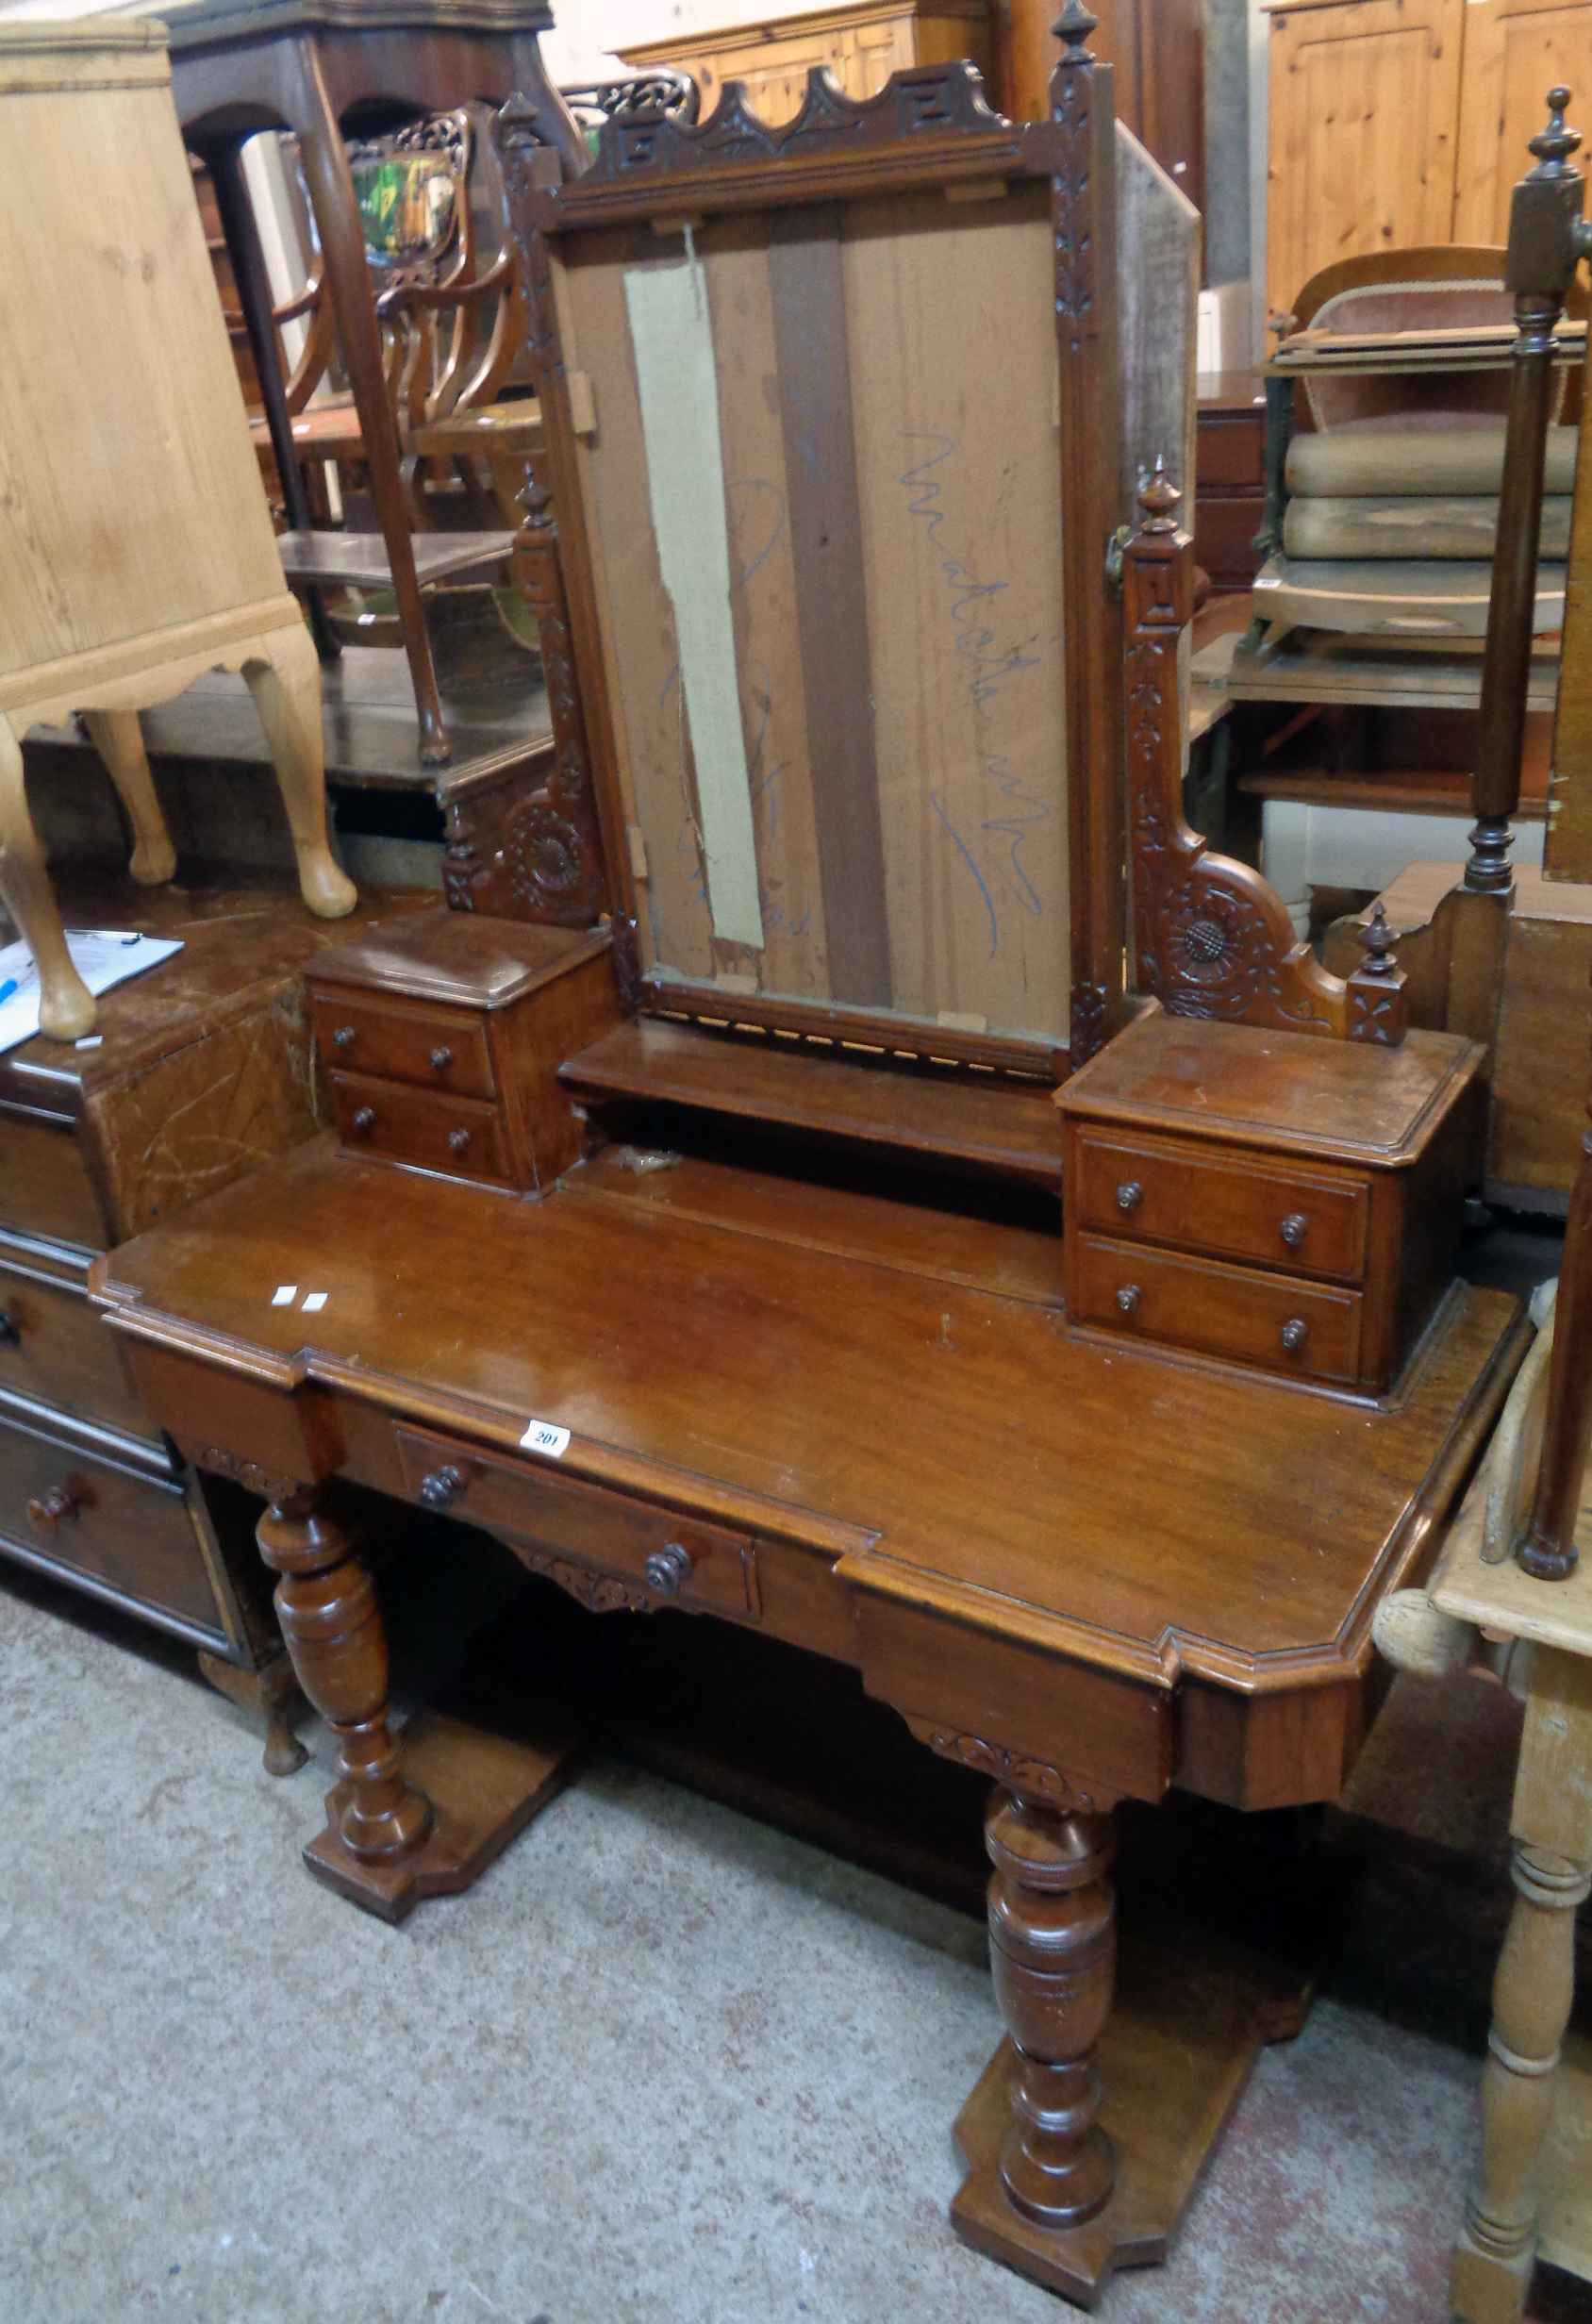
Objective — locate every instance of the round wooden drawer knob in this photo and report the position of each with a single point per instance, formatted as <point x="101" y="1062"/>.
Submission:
<point x="441" y="1057"/>
<point x="1127" y="1298"/>
<point x="345" y="1036"/>
<point x="1295" y="1333"/>
<point x="365" y="1118"/>
<point x="47" y="1515"/>
<point x="1130" y="1195"/>
<point x="1294" y="1229"/>
<point x="10" y="1330"/>
<point x="442" y="1488"/>
<point x="459" y="1141"/>
<point x="668" y="1569"/>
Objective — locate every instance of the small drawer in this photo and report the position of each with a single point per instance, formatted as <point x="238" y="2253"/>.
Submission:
<point x="1311" y="1224"/>
<point x="433" y="1048"/>
<point x="130" y="1535"/>
<point x="55" y="1347"/>
<point x="674" y="1558"/>
<point x="1304" y="1329"/>
<point x="1229" y="448"/>
<point x="459" y="1136"/>
<point x="45" y="1185"/>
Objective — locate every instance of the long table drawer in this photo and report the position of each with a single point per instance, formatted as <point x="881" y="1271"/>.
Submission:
<point x="1307" y="1329"/>
<point x="55" y="1349"/>
<point x="132" y="1535"/>
<point x="460" y="1136"/>
<point x="1311" y="1224"/>
<point x="674" y="1558"/>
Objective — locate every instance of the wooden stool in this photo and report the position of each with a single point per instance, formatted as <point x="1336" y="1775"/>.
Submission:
<point x="135" y="547"/>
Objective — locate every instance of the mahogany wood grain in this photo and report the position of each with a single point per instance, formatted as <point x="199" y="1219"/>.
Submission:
<point x="1006" y="1128"/>
<point x="446" y="1003"/>
<point x="330" y="1619"/>
<point x="458" y="1136"/>
<point x="1180" y="1140"/>
<point x="1053" y="1947"/>
<point x="1310" y="1330"/>
<point x="1179" y="1194"/>
<point x="686" y="1563"/>
<point x="1167" y="1561"/>
<point x="996" y="1255"/>
<point x="437" y="1049"/>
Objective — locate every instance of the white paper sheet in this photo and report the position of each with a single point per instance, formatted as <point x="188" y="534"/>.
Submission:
<point x="102" y="958"/>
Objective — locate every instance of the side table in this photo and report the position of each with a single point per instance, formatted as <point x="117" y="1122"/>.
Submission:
<point x="318" y="67"/>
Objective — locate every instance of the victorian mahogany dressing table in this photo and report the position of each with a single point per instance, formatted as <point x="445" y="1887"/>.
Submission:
<point x="851" y="712"/>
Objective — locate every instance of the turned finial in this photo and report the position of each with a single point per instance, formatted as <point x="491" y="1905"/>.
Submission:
<point x="535" y="500"/>
<point x="1554" y="145"/>
<point x="1073" y="27"/>
<point x="1377" y="941"/>
<point x="1378" y="1009"/>
<point x="1159" y="501"/>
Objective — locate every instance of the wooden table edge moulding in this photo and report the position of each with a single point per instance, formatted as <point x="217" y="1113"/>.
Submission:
<point x="1091" y="1563"/>
<point x="98" y="621"/>
<point x="319" y="68"/>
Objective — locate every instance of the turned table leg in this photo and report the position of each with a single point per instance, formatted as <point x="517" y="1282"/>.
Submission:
<point x="333" y="1627"/>
<point x="1532" y="1995"/>
<point x="1088" y="2128"/>
<point x="1533" y="1991"/>
<point x="1053" y="1950"/>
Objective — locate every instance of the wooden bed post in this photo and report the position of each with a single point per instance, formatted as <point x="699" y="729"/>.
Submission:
<point x="1544" y="218"/>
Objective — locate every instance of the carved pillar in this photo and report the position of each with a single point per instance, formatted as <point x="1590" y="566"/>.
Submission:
<point x="1213" y="938"/>
<point x="1053" y="1952"/>
<point x="333" y="1627"/>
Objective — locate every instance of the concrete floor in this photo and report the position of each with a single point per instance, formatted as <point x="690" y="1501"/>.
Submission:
<point x="663" y="2062"/>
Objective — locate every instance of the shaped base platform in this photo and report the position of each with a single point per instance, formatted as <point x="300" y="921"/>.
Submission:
<point x="482" y="1788"/>
<point x="1174" y="2058"/>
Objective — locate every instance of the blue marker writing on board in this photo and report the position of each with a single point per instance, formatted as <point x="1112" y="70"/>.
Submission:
<point x="7" y="989"/>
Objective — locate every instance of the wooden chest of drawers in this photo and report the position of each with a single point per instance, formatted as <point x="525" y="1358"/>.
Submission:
<point x="1275" y="1200"/>
<point x="443" y="1037"/>
<point x="200" y="1071"/>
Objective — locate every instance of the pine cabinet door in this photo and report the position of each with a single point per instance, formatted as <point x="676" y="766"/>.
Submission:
<point x="1514" y="52"/>
<point x="1363" y="127"/>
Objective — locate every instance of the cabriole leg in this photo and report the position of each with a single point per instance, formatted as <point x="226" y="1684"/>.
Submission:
<point x="66" y="1007"/>
<point x="119" y="739"/>
<point x="287" y="690"/>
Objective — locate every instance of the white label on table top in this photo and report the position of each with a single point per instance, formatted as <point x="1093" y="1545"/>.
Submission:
<point x="542" y="1437"/>
<point x="313" y="1303"/>
<point x="285" y="1295"/>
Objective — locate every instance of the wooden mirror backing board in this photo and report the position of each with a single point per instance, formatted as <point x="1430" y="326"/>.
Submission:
<point x="837" y="447"/>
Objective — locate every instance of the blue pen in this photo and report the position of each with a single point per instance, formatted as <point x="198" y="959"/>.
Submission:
<point x="7" y="989"/>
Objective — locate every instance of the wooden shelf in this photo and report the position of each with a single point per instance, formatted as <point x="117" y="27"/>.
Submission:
<point x="982" y="1125"/>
